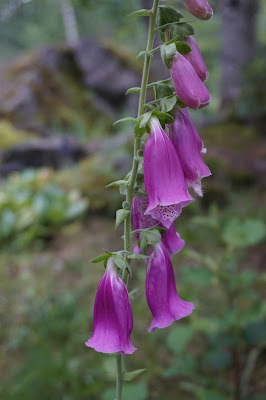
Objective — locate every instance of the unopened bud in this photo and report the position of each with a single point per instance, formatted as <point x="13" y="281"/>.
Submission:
<point x="140" y="153"/>
<point x="199" y="8"/>
<point x="126" y="205"/>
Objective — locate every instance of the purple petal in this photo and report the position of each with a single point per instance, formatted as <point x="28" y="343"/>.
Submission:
<point x="112" y="318"/>
<point x="163" y="177"/>
<point x="188" y="86"/>
<point x="163" y="300"/>
<point x="188" y="145"/>
<point x="199" y="8"/>
<point x="195" y="58"/>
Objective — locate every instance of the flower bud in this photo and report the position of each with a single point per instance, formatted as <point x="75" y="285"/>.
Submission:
<point x="199" y="8"/>
<point x="195" y="58"/>
<point x="188" y="86"/>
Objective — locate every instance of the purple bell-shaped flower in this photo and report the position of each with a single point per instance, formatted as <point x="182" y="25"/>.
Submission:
<point x="112" y="317"/>
<point x="171" y="239"/>
<point x="188" y="86"/>
<point x="199" y="8"/>
<point x="189" y="145"/>
<point x="195" y="58"/>
<point x="163" y="177"/>
<point x="163" y="300"/>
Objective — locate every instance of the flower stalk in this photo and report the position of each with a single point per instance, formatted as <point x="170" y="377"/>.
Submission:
<point x="129" y="197"/>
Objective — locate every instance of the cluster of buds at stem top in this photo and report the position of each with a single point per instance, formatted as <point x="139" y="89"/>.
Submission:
<point x="173" y="163"/>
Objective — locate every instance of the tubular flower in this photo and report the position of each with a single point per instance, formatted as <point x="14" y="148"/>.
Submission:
<point x="161" y="293"/>
<point x="188" y="86"/>
<point x="189" y="145"/>
<point x="171" y="239"/>
<point x="112" y="318"/>
<point x="163" y="177"/>
<point x="195" y="58"/>
<point x="199" y="8"/>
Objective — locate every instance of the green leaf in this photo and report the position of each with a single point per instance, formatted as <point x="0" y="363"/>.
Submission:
<point x="181" y="30"/>
<point x="119" y="261"/>
<point x="179" y="337"/>
<point x="138" y="131"/>
<point x="239" y="233"/>
<point x="100" y="258"/>
<point x="144" y="53"/>
<point x="168" y="103"/>
<point x="118" y="183"/>
<point x="126" y="119"/>
<point x="182" y="47"/>
<point x="168" y="14"/>
<point x="164" y="118"/>
<point x="145" y="119"/>
<point x="129" y="376"/>
<point x="137" y="256"/>
<point x="133" y="90"/>
<point x="142" y="243"/>
<point x="142" y="12"/>
<point x="120" y="216"/>
<point x="153" y="236"/>
<point x="163" y="90"/>
<point x="168" y="51"/>
<point x="220" y="359"/>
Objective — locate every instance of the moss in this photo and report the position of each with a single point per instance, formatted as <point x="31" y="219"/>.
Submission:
<point x="10" y="135"/>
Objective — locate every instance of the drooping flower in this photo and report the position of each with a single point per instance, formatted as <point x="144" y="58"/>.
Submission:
<point x="163" y="300"/>
<point x="188" y="86"/>
<point x="189" y="145"/>
<point x="199" y="8"/>
<point x="171" y="239"/>
<point x="112" y="318"/>
<point x="195" y="58"/>
<point x="163" y="177"/>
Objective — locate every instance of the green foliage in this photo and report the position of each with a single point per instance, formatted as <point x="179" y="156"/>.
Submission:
<point x="32" y="207"/>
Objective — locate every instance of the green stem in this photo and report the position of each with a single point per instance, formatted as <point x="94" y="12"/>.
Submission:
<point x="134" y="172"/>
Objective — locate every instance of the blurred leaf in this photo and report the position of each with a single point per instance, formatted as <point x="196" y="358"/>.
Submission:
<point x="183" y="364"/>
<point x="129" y="376"/>
<point x="179" y="337"/>
<point x="239" y="233"/>
<point x="255" y="333"/>
<point x="198" y="276"/>
<point x="132" y="391"/>
<point x="217" y="360"/>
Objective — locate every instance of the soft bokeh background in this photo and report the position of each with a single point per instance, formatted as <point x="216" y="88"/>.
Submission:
<point x="64" y="71"/>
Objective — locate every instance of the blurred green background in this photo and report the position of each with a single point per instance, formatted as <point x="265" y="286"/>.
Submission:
<point x="64" y="70"/>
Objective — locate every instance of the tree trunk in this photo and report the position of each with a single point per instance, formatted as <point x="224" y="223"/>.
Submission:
<point x="238" y="47"/>
<point x="70" y="22"/>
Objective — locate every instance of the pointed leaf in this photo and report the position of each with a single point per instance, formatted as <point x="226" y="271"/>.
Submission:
<point x="144" y="53"/>
<point x="100" y="258"/>
<point x="117" y="183"/>
<point x="119" y="261"/>
<point x="182" y="47"/>
<point x="133" y="90"/>
<point x="168" y="103"/>
<point x="142" y="12"/>
<point x="153" y="236"/>
<point x="145" y="119"/>
<point x="137" y="256"/>
<point x="126" y="119"/>
<point x="129" y="376"/>
<point x="120" y="216"/>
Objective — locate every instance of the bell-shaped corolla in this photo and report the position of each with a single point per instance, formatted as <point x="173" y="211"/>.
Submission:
<point x="163" y="177"/>
<point x="188" y="85"/>
<point x="171" y="239"/>
<point x="112" y="318"/>
<point x="199" y="8"/>
<point x="189" y="146"/>
<point x="195" y="58"/>
<point x="165" y="304"/>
